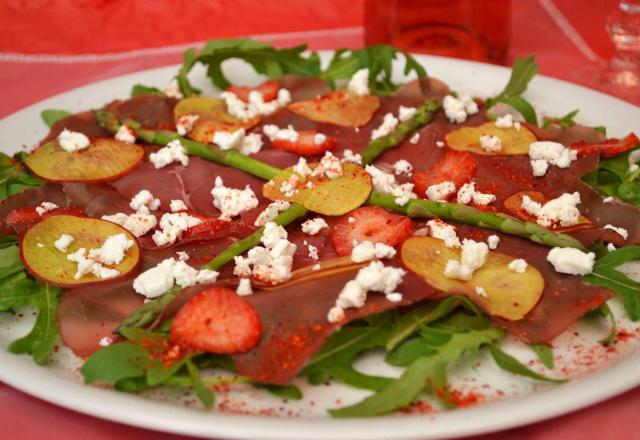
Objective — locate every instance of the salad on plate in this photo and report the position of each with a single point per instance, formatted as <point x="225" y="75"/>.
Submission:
<point x="281" y="231"/>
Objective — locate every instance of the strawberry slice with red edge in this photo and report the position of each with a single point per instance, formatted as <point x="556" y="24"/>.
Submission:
<point x="608" y="148"/>
<point x="269" y="90"/>
<point x="454" y="166"/>
<point x="21" y="219"/>
<point x="370" y="223"/>
<point x="307" y="143"/>
<point x="212" y="228"/>
<point x="217" y="320"/>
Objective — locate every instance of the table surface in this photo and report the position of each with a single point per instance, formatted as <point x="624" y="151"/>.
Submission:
<point x="105" y="39"/>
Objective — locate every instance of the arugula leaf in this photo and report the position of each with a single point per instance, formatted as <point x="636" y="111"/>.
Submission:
<point x="524" y="69"/>
<point x="565" y="121"/>
<point x="205" y="395"/>
<point x="605" y="274"/>
<point x="604" y="311"/>
<point x="612" y="178"/>
<point x="7" y="241"/>
<point x="141" y="89"/>
<point x="115" y="363"/>
<point x="290" y="392"/>
<point x="513" y="365"/>
<point x="51" y="116"/>
<point x="425" y="373"/>
<point x="378" y="59"/>
<point x="545" y="354"/>
<point x="14" y="176"/>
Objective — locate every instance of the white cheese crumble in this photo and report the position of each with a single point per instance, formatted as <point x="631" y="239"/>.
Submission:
<point x="545" y="153"/>
<point x="45" y="207"/>
<point x="319" y="139"/>
<point x="111" y="252"/>
<point x="273" y="132"/>
<point x="415" y="138"/>
<point x="313" y="252"/>
<point x="608" y="199"/>
<point x="620" y="231"/>
<point x="185" y="124"/>
<point x="126" y="134"/>
<point x="571" y="261"/>
<point x="182" y="256"/>
<point x="160" y="279"/>
<point x="238" y="140"/>
<point x="177" y="205"/>
<point x="359" y="83"/>
<point x="271" y="212"/>
<point x="244" y="287"/>
<point x="406" y="113"/>
<point x="519" y="265"/>
<point x="272" y="262"/>
<point x="367" y="251"/>
<point x="493" y="241"/>
<point x="144" y="201"/>
<point x="473" y="256"/>
<point x="174" y="151"/>
<point x="105" y="341"/>
<point x="386" y="183"/>
<point x="173" y="90"/>
<point x="505" y="121"/>
<point x="242" y="266"/>
<point x="172" y="225"/>
<point x="302" y="168"/>
<point x="376" y="277"/>
<point x="137" y="223"/>
<point x="445" y="232"/>
<point x="611" y="247"/>
<point x="288" y="187"/>
<point x="389" y="123"/>
<point x="232" y="202"/>
<point x="349" y="156"/>
<point x="468" y="194"/>
<point x="481" y="292"/>
<point x="329" y="166"/>
<point x="71" y="141"/>
<point x="440" y="144"/>
<point x="256" y="105"/>
<point x="633" y="159"/>
<point x="562" y="210"/>
<point x="441" y="191"/>
<point x="63" y="242"/>
<point x="457" y="109"/>
<point x="314" y="225"/>
<point x="490" y="143"/>
<point x="402" y="167"/>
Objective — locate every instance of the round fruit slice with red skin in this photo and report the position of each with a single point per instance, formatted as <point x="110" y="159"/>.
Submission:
<point x="306" y="144"/>
<point x="45" y="262"/>
<point x="217" y="320"/>
<point x="454" y="167"/>
<point x="339" y="108"/>
<point x="268" y="89"/>
<point x="103" y="160"/>
<point x="608" y="148"/>
<point x="370" y="223"/>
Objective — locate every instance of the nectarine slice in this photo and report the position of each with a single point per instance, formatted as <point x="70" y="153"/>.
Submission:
<point x="105" y="159"/>
<point x="509" y="294"/>
<point x="46" y="262"/>
<point x="339" y="108"/>
<point x="514" y="141"/>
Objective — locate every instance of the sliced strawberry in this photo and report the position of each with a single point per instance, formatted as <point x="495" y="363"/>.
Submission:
<point x="306" y="143"/>
<point x="217" y="320"/>
<point x="608" y="148"/>
<point x="212" y="228"/>
<point x="369" y="223"/>
<point x="454" y="167"/>
<point x="21" y="219"/>
<point x="269" y="90"/>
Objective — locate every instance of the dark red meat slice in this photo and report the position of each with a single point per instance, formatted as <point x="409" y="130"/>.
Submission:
<point x="83" y="122"/>
<point x="151" y="111"/>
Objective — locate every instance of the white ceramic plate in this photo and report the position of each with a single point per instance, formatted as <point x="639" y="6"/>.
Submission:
<point x="510" y="401"/>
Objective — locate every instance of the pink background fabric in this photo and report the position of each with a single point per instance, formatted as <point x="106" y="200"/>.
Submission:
<point x="49" y="46"/>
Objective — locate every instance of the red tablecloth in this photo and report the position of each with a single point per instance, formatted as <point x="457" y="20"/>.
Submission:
<point x="47" y="47"/>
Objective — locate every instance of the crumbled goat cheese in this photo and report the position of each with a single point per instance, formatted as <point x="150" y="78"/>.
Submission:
<point x="406" y="113"/>
<point x="185" y="124"/>
<point x="144" y="202"/>
<point x="45" y="207"/>
<point x="137" y="223"/>
<point x="468" y="194"/>
<point x="182" y="256"/>
<point x="256" y="105"/>
<point x="105" y="341"/>
<point x="493" y="241"/>
<point x="348" y="156"/>
<point x="302" y="168"/>
<point x="621" y="231"/>
<point x="389" y="123"/>
<point x="63" y="242"/>
<point x="242" y="266"/>
<point x="71" y="141"/>
<point x="174" y="151"/>
<point x="441" y="191"/>
<point x="288" y="187"/>
<point x="126" y="134"/>
<point x="359" y="83"/>
<point x="571" y="261"/>
<point x="415" y="138"/>
<point x="273" y="132"/>
<point x="473" y="256"/>
<point x="562" y="210"/>
<point x="545" y="153"/>
<point x="490" y="143"/>
<point x="232" y="202"/>
<point x="505" y="121"/>
<point x="160" y="279"/>
<point x="518" y="265"/>
<point x="113" y="249"/>
<point x="367" y="251"/>
<point x="173" y="90"/>
<point x="608" y="199"/>
<point x="386" y="183"/>
<point x="375" y="277"/>
<point x="444" y="232"/>
<point x="402" y="167"/>
<point x="457" y="109"/>
<point x="314" y="225"/>
<point x="329" y="166"/>
<point x="271" y="212"/>
<point x="319" y="139"/>
<point x="238" y="140"/>
<point x="316" y="267"/>
<point x="439" y="144"/>
<point x="481" y="292"/>
<point x="611" y="247"/>
<point x="313" y="252"/>
<point x="172" y="225"/>
<point x="271" y="263"/>
<point x="244" y="287"/>
<point x="633" y="159"/>
<point x="177" y="205"/>
<point x="111" y="252"/>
